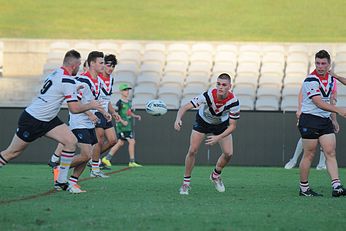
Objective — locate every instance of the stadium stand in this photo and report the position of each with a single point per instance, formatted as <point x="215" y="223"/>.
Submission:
<point x="1" y="58"/>
<point x="265" y="76"/>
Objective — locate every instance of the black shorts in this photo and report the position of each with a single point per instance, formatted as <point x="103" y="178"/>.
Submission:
<point x="103" y="123"/>
<point x="30" y="128"/>
<point x="312" y="127"/>
<point x="85" y="135"/>
<point x="204" y="127"/>
<point x="124" y="135"/>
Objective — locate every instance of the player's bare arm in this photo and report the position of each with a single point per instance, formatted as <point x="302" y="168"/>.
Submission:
<point x="317" y="100"/>
<point x="92" y="117"/>
<point x="178" y="122"/>
<point x="76" y="107"/>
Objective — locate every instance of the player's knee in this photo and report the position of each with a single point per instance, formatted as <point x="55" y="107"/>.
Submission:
<point x="70" y="143"/>
<point x="121" y="142"/>
<point x="227" y="156"/>
<point x="330" y="154"/>
<point x="112" y="141"/>
<point x="192" y="151"/>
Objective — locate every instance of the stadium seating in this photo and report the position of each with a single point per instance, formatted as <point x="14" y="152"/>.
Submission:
<point x="1" y="58"/>
<point x="26" y="90"/>
<point x="262" y="74"/>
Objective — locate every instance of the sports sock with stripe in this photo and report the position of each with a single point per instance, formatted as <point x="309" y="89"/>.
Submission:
<point x="95" y="166"/>
<point x="65" y="162"/>
<point x="187" y="180"/>
<point x="216" y="174"/>
<point x="73" y="180"/>
<point x="336" y="183"/>
<point x="304" y="186"/>
<point x="55" y="158"/>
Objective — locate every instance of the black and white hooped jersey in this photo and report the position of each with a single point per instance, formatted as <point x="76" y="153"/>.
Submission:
<point x="214" y="111"/>
<point x="89" y="92"/>
<point x="106" y="91"/>
<point x="58" y="86"/>
<point x="315" y="85"/>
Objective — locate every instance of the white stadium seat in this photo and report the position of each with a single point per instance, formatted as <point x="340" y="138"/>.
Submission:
<point x="178" y="47"/>
<point x="173" y="80"/>
<point x="84" y="48"/>
<point x="270" y="80"/>
<point x="289" y="103"/>
<point x="192" y="91"/>
<point x="245" y="91"/>
<point x="200" y="70"/>
<point x="178" y="57"/>
<point x="108" y="48"/>
<point x="148" y="79"/>
<point x="179" y="69"/>
<point x="225" y="57"/>
<point x="169" y="91"/>
<point x="131" y="46"/>
<point x="145" y="91"/>
<point x="60" y="46"/>
<point x="251" y="69"/>
<point x="269" y="92"/>
<point x="273" y="49"/>
<point x="246" y="102"/>
<point x="224" y="67"/>
<point x="201" y="80"/>
<point x="205" y="47"/>
<point x="156" y="57"/>
<point x="246" y="80"/>
<point x="249" y="48"/>
<point x="227" y="48"/>
<point x="296" y="49"/>
<point x="267" y="103"/>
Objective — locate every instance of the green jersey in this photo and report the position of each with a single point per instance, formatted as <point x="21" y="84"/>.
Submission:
<point x="125" y="112"/>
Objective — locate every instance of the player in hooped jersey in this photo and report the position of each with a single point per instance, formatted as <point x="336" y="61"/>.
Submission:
<point x="217" y="115"/>
<point x="317" y="124"/>
<point x="40" y="118"/>
<point x="104" y="128"/>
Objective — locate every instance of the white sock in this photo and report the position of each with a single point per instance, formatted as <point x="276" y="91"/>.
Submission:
<point x="95" y="166"/>
<point x="55" y="158"/>
<point x="187" y="180"/>
<point x="65" y="162"/>
<point x="304" y="186"/>
<point x="73" y="180"/>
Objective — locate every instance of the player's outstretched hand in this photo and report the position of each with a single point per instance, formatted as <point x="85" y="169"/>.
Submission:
<point x="211" y="140"/>
<point x="177" y="125"/>
<point x="342" y="111"/>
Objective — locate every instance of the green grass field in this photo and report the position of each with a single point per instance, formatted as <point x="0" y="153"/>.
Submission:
<point x="147" y="199"/>
<point x="218" y="20"/>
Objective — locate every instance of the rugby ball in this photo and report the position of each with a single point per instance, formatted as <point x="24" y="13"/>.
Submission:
<point x="156" y="107"/>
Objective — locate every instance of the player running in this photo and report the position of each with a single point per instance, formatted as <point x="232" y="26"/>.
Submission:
<point x="40" y="118"/>
<point x="218" y="113"/>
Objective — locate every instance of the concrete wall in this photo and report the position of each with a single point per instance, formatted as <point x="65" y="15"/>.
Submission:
<point x="261" y="139"/>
